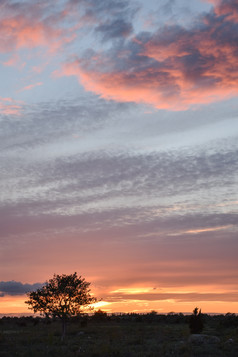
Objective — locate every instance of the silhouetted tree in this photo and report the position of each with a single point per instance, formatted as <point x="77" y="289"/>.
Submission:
<point x="196" y="321"/>
<point x="62" y="297"/>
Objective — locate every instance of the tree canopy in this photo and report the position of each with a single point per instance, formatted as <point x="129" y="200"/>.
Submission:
<point x="62" y="296"/>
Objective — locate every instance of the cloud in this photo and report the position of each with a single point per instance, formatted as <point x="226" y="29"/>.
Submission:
<point x="94" y="11"/>
<point x="14" y="61"/>
<point x="9" y="106"/>
<point x="184" y="297"/>
<point x="109" y="19"/>
<point x="227" y="8"/>
<point x="18" y="29"/>
<point x="155" y="194"/>
<point x="173" y="68"/>
<point x="177" y="294"/>
<point x="115" y="29"/>
<point x="99" y="201"/>
<point x="31" y="86"/>
<point x="82" y="115"/>
<point x="202" y="230"/>
<point x="16" y="288"/>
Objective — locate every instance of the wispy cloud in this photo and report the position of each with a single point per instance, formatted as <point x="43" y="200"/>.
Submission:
<point x="9" y="106"/>
<point x="14" y="61"/>
<point x="202" y="230"/>
<point x="31" y="86"/>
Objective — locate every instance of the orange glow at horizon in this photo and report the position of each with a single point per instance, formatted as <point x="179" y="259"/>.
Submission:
<point x="13" y="305"/>
<point x="132" y="290"/>
<point x="119" y="301"/>
<point x="16" y="306"/>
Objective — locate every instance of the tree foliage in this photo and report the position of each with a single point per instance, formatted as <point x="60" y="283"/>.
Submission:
<point x="62" y="296"/>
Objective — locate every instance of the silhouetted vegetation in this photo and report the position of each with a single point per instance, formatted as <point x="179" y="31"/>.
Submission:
<point x="119" y="335"/>
<point x="61" y="297"/>
<point x="99" y="316"/>
<point x="196" y="321"/>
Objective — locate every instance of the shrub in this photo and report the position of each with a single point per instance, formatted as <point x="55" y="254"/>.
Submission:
<point x="196" y="321"/>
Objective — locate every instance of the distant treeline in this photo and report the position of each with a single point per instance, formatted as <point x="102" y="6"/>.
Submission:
<point x="226" y="320"/>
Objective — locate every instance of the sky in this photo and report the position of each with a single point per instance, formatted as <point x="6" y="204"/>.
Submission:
<point x="119" y="151"/>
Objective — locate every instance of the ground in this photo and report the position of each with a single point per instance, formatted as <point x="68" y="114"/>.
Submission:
<point x="118" y="336"/>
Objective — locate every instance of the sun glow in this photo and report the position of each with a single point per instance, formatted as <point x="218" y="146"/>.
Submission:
<point x="99" y="304"/>
<point x="13" y="304"/>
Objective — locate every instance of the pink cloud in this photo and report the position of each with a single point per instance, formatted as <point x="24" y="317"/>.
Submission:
<point x="21" y="32"/>
<point x="28" y="26"/>
<point x="12" y="61"/>
<point x="173" y="68"/>
<point x="9" y="106"/>
<point x="120" y="86"/>
<point x="31" y="86"/>
<point x="227" y="8"/>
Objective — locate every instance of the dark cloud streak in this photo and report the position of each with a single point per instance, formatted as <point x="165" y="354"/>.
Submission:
<point x="16" y="288"/>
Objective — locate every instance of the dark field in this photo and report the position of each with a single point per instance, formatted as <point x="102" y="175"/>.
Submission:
<point x="127" y="335"/>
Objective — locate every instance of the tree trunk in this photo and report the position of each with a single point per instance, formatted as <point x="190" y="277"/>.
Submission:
<point x="63" y="329"/>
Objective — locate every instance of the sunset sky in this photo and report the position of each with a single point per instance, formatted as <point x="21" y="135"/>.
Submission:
<point x="119" y="151"/>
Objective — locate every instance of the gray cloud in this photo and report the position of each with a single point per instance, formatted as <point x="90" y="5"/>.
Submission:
<point x="93" y="188"/>
<point x="16" y="288"/>
<point x="110" y="19"/>
<point x="168" y="173"/>
<point x="58" y="119"/>
<point x="115" y="29"/>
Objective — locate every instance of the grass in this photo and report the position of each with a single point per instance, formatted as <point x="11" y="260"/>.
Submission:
<point x="122" y="336"/>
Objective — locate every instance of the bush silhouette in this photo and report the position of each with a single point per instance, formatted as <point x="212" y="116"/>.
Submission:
<point x="196" y="321"/>
<point x="100" y="316"/>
